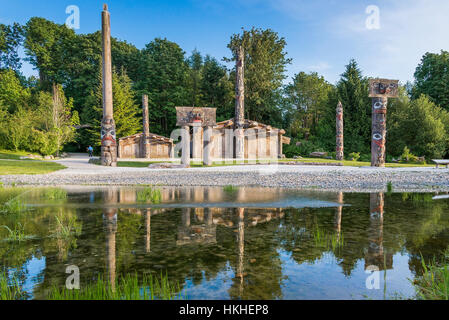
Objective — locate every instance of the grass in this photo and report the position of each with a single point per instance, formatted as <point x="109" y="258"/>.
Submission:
<point x="434" y="283"/>
<point x="149" y="195"/>
<point x="13" y="155"/>
<point x="328" y="241"/>
<point x="389" y="187"/>
<point x="10" y="289"/>
<point x="66" y="226"/>
<point x="54" y="194"/>
<point x="126" y="288"/>
<point x="16" y="235"/>
<point x="28" y="167"/>
<point x="230" y="188"/>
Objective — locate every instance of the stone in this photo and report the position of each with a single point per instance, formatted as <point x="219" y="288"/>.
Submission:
<point x="318" y="154"/>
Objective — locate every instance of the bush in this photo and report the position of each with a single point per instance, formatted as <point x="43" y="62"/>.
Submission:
<point x="306" y="148"/>
<point x="408" y="157"/>
<point x="354" y="156"/>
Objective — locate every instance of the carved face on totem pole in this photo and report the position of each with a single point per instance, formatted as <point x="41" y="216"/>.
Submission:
<point x="108" y="138"/>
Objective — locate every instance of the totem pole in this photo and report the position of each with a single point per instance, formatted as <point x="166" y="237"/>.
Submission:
<point x="380" y="91"/>
<point x="146" y="128"/>
<point x="339" y="143"/>
<point x="108" y="138"/>
<point x="239" y="118"/>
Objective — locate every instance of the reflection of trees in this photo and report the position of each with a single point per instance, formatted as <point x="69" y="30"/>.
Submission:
<point x="148" y="239"/>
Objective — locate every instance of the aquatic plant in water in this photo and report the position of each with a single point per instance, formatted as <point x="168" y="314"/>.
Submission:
<point x="16" y="234"/>
<point x="126" y="288"/>
<point x="149" y="195"/>
<point x="230" y="188"/>
<point x="10" y="288"/>
<point x="54" y="194"/>
<point x="434" y="283"/>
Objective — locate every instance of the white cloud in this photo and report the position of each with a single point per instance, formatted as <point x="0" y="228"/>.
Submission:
<point x="409" y="29"/>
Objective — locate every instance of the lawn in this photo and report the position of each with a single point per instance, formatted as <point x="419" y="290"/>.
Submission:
<point x="141" y="164"/>
<point x="13" y="155"/>
<point x="28" y="167"/>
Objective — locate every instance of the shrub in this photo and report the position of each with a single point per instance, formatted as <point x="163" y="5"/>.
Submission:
<point x="354" y="156"/>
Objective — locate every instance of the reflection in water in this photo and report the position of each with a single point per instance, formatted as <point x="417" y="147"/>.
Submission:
<point x="375" y="255"/>
<point x="245" y="243"/>
<point x="110" y="227"/>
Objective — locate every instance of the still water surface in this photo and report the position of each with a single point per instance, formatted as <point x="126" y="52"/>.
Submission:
<point x="227" y="243"/>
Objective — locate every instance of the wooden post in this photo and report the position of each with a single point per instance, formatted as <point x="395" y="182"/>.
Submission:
<point x="339" y="141"/>
<point x="239" y="118"/>
<point x="146" y="128"/>
<point x="185" y="159"/>
<point x="197" y="141"/>
<point x="207" y="159"/>
<point x="108" y="137"/>
<point x="380" y="91"/>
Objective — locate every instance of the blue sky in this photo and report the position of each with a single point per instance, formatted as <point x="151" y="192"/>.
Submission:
<point x="321" y="35"/>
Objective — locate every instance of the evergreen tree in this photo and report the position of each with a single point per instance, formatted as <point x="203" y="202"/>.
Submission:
<point x="352" y="91"/>
<point x="127" y="114"/>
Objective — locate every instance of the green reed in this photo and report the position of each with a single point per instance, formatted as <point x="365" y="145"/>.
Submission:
<point x="434" y="283"/>
<point x="54" y="194"/>
<point x="230" y="188"/>
<point x="10" y="288"/>
<point x="126" y="288"/>
<point x="329" y="241"/>
<point x="16" y="234"/>
<point x="149" y="195"/>
<point x="66" y="226"/>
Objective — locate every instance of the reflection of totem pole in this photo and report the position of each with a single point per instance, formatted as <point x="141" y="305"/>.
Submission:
<point x="110" y="226"/>
<point x="239" y="118"/>
<point x="380" y="91"/>
<point x="339" y="143"/>
<point x="338" y="215"/>
<point x="375" y="254"/>
<point x="148" y="227"/>
<point x="241" y="247"/>
<point x="146" y="128"/>
<point x="108" y="138"/>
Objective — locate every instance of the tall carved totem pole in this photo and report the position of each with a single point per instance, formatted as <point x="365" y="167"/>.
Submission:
<point x="239" y="118"/>
<point x="380" y="91"/>
<point x="108" y="138"/>
<point x="146" y="127"/>
<point x="339" y="143"/>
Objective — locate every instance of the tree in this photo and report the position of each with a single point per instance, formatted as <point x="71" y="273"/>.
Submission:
<point x="12" y="93"/>
<point x="195" y="63"/>
<point x="217" y="89"/>
<point x="164" y="78"/>
<point x="126" y="110"/>
<point x="432" y="78"/>
<point x="352" y="91"/>
<point x="307" y="97"/>
<point x="265" y="66"/>
<point x="11" y="38"/>
<point x="428" y="122"/>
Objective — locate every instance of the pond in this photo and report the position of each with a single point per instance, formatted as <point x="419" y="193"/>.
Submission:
<point x="223" y="242"/>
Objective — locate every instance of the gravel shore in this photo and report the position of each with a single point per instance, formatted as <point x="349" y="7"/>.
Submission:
<point x="347" y="179"/>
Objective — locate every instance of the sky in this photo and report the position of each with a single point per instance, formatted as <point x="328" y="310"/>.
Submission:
<point x="321" y="35"/>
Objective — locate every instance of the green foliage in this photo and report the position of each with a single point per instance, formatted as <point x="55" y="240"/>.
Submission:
<point x="128" y="287"/>
<point x="389" y="187"/>
<point x="434" y="283"/>
<point x="149" y="195"/>
<point x="354" y="156"/>
<point x="11" y="37"/>
<point x="265" y="66"/>
<point x="230" y="188"/>
<point x="126" y="110"/>
<point x="432" y="78"/>
<point x="10" y="288"/>
<point x="54" y="194"/>
<point x="307" y="97"/>
<point x="428" y="122"/>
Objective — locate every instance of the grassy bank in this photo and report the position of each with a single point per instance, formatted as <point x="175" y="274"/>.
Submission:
<point x="28" y="167"/>
<point x="12" y="155"/>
